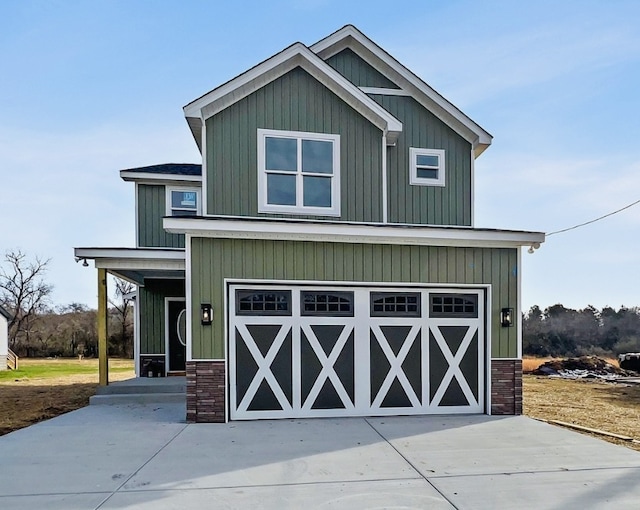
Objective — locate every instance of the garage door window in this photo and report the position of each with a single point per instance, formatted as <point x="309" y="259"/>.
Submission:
<point x="394" y="304"/>
<point x="257" y="302"/>
<point x="454" y="305"/>
<point x="328" y="304"/>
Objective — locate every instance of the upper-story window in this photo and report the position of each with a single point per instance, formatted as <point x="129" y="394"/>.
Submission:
<point x="183" y="202"/>
<point x="426" y="167"/>
<point x="298" y="173"/>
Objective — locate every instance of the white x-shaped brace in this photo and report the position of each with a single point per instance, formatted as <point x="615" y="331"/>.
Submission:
<point x="454" y="365"/>
<point x="328" y="371"/>
<point x="264" y="367"/>
<point x="396" y="366"/>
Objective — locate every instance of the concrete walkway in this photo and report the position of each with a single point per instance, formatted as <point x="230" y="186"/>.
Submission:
<point x="137" y="456"/>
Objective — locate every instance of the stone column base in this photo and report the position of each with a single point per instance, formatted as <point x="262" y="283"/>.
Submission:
<point x="206" y="383"/>
<point x="506" y="386"/>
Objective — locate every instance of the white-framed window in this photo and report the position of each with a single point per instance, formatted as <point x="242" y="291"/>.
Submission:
<point x="183" y="201"/>
<point x="426" y="167"/>
<point x="298" y="173"/>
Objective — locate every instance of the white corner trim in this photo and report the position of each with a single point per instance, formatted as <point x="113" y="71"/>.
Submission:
<point x="205" y="204"/>
<point x="188" y="297"/>
<point x="518" y="309"/>
<point x="385" y="178"/>
<point x="473" y="189"/>
<point x="335" y="232"/>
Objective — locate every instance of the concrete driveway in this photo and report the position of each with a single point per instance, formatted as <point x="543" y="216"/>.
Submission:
<point x="114" y="457"/>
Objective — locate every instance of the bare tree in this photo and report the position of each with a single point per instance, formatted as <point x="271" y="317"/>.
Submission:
<point x="122" y="307"/>
<point x="23" y="291"/>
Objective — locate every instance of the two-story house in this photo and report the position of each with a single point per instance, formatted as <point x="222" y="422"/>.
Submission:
<point x="323" y="259"/>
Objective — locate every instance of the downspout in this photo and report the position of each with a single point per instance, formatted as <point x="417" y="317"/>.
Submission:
<point x="385" y="218"/>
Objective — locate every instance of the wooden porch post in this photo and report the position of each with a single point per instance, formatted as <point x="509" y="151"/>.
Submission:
<point x="103" y="361"/>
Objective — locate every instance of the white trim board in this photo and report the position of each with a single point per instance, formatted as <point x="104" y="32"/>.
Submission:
<point x="296" y="55"/>
<point x="350" y="233"/>
<point x="150" y="178"/>
<point x="350" y="37"/>
<point x="385" y="91"/>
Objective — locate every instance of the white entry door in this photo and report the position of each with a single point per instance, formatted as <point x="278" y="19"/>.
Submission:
<point x="302" y="351"/>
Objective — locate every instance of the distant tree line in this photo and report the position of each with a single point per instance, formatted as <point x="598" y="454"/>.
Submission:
<point x="37" y="329"/>
<point x="560" y="331"/>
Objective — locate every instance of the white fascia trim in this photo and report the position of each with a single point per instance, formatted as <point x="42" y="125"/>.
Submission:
<point x="278" y="65"/>
<point x="149" y="178"/>
<point x="130" y="253"/>
<point x="411" y="83"/>
<point x="350" y="233"/>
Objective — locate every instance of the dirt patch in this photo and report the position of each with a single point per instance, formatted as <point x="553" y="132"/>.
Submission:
<point x="582" y="367"/>
<point x="611" y="407"/>
<point x="27" y="400"/>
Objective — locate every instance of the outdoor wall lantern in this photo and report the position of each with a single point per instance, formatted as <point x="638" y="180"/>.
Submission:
<point x="206" y="314"/>
<point x="506" y="317"/>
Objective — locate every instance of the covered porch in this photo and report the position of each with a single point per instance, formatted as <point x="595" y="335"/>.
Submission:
<point x="145" y="268"/>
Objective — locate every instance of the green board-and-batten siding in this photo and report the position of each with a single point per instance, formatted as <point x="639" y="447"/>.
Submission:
<point x="151" y="209"/>
<point x="430" y="205"/>
<point x="213" y="260"/>
<point x="152" y="320"/>
<point x="359" y="72"/>
<point x="294" y="102"/>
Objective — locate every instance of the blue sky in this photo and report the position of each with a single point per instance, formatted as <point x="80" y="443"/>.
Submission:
<point x="91" y="87"/>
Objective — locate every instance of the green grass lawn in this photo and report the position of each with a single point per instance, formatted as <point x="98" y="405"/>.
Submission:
<point x="50" y="368"/>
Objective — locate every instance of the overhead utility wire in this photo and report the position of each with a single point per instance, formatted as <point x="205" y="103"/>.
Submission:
<point x="593" y="221"/>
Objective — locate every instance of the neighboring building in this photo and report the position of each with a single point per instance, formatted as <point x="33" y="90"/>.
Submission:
<point x="5" y="317"/>
<point x="323" y="261"/>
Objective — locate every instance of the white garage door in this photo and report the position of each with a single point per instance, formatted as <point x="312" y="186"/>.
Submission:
<point x="301" y="351"/>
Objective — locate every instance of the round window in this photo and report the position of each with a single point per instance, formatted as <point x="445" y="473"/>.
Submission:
<point x="182" y="327"/>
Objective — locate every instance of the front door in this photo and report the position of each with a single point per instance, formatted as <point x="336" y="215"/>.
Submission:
<point x="176" y="334"/>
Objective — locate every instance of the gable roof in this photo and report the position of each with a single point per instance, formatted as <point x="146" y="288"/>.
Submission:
<point x="164" y="172"/>
<point x="5" y="313"/>
<point x="296" y="55"/>
<point x="350" y="37"/>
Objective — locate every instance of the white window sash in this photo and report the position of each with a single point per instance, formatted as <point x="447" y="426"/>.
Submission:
<point x="414" y="180"/>
<point x="299" y="208"/>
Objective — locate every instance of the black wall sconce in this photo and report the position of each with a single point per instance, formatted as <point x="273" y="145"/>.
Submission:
<point x="206" y="314"/>
<point x="506" y="317"/>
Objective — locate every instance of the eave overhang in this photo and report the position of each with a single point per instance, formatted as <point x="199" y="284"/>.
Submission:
<point x="296" y="55"/>
<point x="341" y="232"/>
<point x="136" y="264"/>
<point x="350" y="37"/>
<point x="151" y="178"/>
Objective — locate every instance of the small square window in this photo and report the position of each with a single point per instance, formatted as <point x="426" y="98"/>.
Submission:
<point x="426" y="167"/>
<point x="183" y="202"/>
